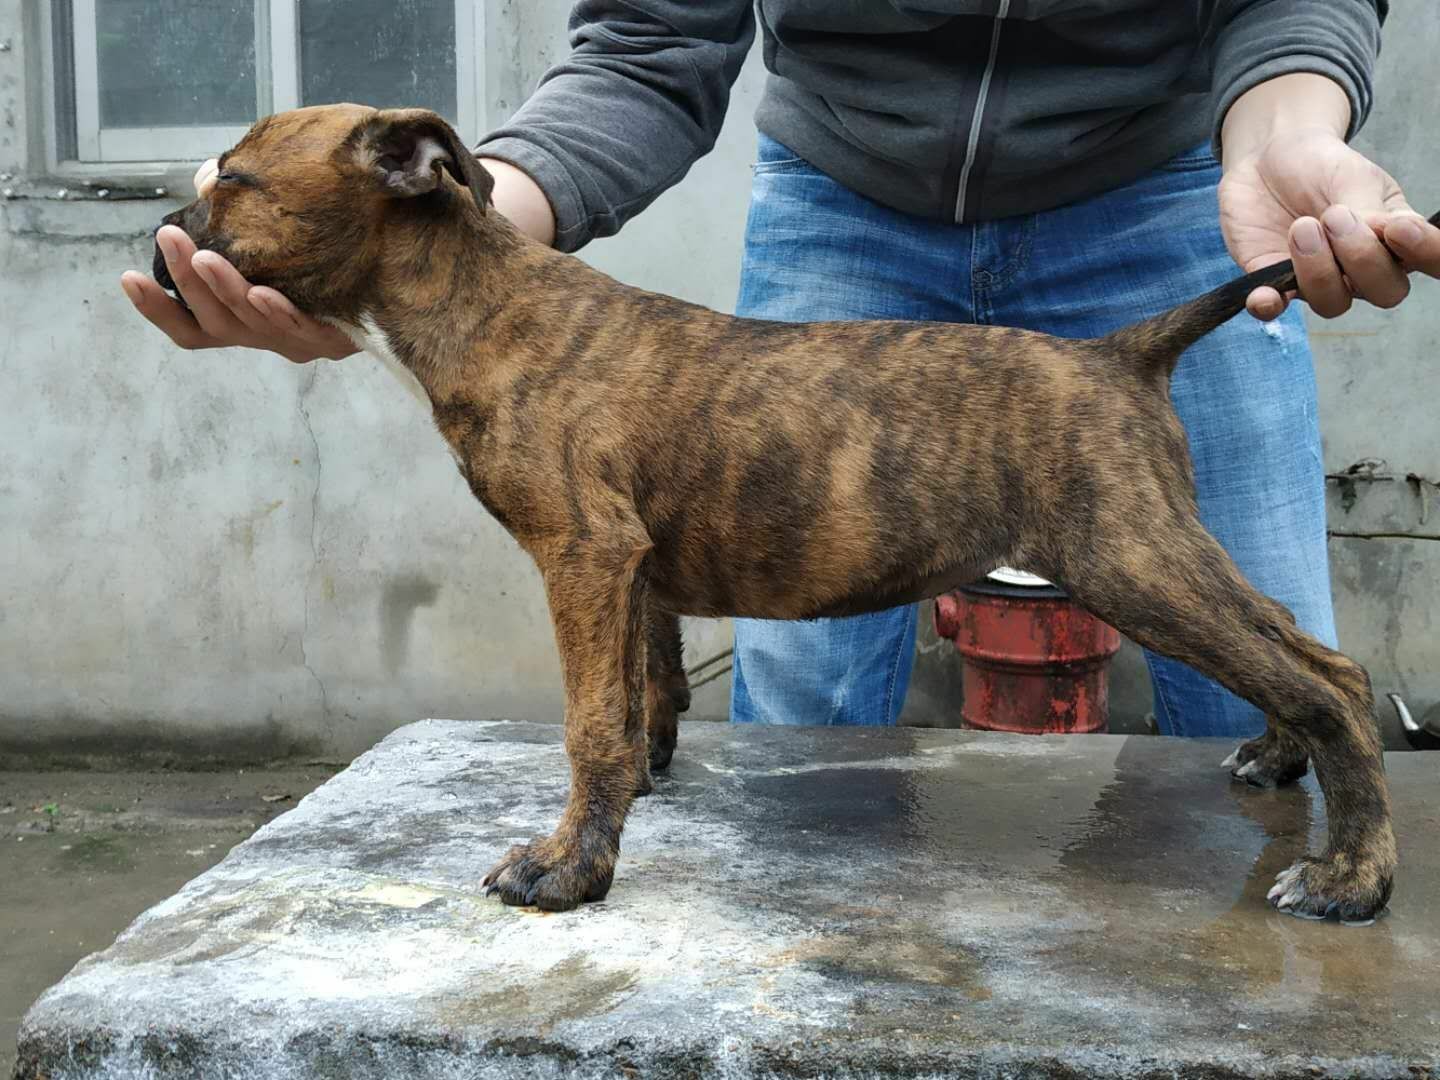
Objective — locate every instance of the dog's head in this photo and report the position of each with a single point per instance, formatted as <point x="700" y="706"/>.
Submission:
<point x="307" y="200"/>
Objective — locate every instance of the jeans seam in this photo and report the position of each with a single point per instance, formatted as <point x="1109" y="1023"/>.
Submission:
<point x="1021" y="259"/>
<point x="1160" y="682"/>
<point x="895" y="668"/>
<point x="971" y="278"/>
<point x="980" y="309"/>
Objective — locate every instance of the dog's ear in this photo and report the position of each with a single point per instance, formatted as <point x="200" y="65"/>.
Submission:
<point x="407" y="148"/>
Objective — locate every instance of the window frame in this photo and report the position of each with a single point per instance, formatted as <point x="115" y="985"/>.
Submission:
<point x="170" y="153"/>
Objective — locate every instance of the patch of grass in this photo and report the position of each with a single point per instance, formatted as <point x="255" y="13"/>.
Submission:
<point x="95" y="852"/>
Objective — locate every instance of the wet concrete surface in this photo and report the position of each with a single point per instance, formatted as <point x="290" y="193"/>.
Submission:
<point x="83" y="853"/>
<point x="791" y="902"/>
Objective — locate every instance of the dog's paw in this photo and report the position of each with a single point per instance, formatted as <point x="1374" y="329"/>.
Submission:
<point x="549" y="876"/>
<point x="662" y="749"/>
<point x="1321" y="888"/>
<point x="662" y="730"/>
<point x="644" y="785"/>
<point x="1269" y="761"/>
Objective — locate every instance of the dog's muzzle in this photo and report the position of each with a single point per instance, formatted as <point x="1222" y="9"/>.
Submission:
<point x="192" y="219"/>
<point x="161" y="272"/>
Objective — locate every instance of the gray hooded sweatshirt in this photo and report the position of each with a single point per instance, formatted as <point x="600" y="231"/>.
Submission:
<point x="953" y="110"/>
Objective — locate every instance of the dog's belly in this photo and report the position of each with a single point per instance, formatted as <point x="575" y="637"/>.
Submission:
<point x="791" y="604"/>
<point x="814" y="580"/>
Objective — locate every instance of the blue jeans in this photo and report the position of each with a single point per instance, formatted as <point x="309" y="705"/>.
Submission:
<point x="1246" y="394"/>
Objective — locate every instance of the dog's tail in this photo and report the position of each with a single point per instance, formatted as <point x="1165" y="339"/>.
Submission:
<point x="1162" y="339"/>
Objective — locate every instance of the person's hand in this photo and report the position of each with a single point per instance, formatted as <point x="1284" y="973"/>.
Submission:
<point x="1293" y="189"/>
<point x="227" y="311"/>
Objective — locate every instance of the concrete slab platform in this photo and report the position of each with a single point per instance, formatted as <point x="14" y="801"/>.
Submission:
<point x="792" y="902"/>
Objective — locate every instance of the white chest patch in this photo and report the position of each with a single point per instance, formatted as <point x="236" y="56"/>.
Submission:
<point x="372" y="339"/>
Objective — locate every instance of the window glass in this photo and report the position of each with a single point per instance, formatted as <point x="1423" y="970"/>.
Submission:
<point x="175" y="62"/>
<point x="386" y="53"/>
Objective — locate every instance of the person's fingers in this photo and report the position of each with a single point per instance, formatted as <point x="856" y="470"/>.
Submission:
<point x="1415" y="241"/>
<point x="324" y="338"/>
<point x="1320" y="280"/>
<point x="131" y="287"/>
<point x="152" y="302"/>
<point x="205" y="177"/>
<point x="286" y="329"/>
<point x="1265" y="303"/>
<point x="1373" y="272"/>
<point x="231" y="290"/>
<point x="275" y="309"/>
<point x="212" y="315"/>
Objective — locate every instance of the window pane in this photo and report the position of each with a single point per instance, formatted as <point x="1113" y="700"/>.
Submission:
<point x="168" y="62"/>
<point x="386" y="53"/>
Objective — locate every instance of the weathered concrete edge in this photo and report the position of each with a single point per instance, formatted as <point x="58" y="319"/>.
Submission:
<point x="161" y="1053"/>
<point x="31" y="745"/>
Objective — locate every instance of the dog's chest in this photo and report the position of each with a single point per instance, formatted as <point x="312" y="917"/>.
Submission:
<point x="369" y="337"/>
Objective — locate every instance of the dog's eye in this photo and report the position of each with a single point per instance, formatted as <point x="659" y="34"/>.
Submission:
<point x="237" y="179"/>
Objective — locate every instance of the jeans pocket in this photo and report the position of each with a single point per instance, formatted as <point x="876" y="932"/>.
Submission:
<point x="774" y="157"/>
<point x="1196" y="159"/>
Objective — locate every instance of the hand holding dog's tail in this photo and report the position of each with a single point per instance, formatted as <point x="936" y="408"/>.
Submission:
<point x="1163" y="338"/>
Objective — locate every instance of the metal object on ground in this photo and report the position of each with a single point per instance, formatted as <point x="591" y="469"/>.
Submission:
<point x="1424" y="735"/>
<point x="1035" y="662"/>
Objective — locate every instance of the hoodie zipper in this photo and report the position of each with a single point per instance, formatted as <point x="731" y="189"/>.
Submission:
<point x="977" y="121"/>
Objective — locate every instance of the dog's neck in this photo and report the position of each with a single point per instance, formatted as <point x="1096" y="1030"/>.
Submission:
<point x="428" y="309"/>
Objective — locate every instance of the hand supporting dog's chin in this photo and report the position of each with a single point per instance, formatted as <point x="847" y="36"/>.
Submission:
<point x="161" y="273"/>
<point x="160" y="268"/>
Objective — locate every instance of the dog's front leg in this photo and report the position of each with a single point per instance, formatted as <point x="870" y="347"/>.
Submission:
<point x="597" y="604"/>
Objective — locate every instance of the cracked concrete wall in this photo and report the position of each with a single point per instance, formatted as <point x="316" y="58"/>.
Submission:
<point x="222" y="555"/>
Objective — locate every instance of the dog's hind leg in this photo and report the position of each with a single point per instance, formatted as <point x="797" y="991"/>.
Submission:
<point x="667" y="690"/>
<point x="1178" y="593"/>
<point x="597" y="602"/>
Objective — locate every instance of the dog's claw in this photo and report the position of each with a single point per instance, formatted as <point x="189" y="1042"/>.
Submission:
<point x="544" y="875"/>
<point x="1231" y="761"/>
<point x="1283" y="881"/>
<point x="1320" y="889"/>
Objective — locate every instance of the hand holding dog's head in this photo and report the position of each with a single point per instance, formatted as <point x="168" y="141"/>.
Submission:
<point x="307" y="199"/>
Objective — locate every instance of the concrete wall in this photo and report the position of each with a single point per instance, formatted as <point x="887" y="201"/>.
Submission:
<point x="220" y="554"/>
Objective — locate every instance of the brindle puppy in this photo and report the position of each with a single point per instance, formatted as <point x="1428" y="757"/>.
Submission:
<point x="658" y="459"/>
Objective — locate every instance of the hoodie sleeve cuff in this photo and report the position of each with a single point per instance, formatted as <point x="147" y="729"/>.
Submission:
<point x="554" y="181"/>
